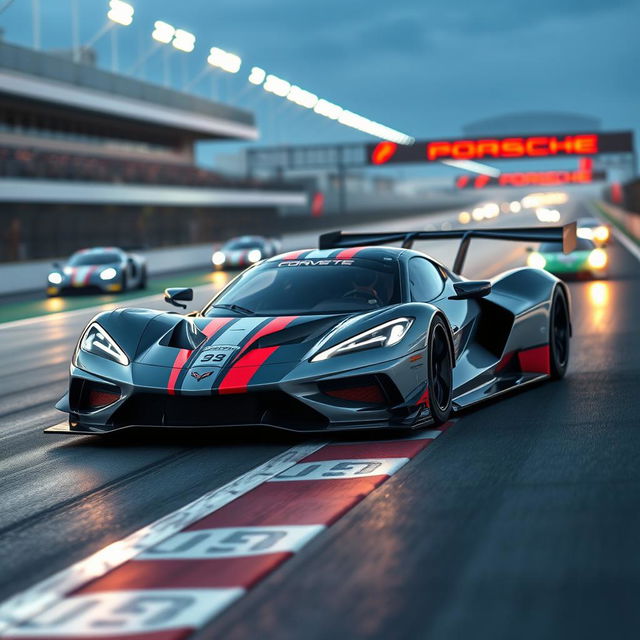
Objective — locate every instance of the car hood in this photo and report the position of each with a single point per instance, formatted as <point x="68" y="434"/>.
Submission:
<point x="222" y="341"/>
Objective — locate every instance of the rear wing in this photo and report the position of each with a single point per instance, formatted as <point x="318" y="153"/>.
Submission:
<point x="565" y="234"/>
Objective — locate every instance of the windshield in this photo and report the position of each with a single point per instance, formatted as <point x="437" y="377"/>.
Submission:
<point x="321" y="286"/>
<point x="556" y="247"/>
<point x="246" y="243"/>
<point x="94" y="258"/>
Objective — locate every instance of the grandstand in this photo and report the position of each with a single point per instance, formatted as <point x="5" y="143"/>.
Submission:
<point x="90" y="157"/>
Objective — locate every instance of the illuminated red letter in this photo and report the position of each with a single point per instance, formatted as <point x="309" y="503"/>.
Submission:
<point x="463" y="150"/>
<point x="437" y="150"/>
<point x="512" y="148"/>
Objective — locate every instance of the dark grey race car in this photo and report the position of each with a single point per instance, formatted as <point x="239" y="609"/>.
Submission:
<point x="98" y="270"/>
<point x="352" y="335"/>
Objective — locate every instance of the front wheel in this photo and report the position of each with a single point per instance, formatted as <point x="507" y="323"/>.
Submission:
<point x="440" y="372"/>
<point x="559" y="334"/>
<point x="143" y="278"/>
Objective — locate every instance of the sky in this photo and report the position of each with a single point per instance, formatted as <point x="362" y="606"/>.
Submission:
<point x="424" y="67"/>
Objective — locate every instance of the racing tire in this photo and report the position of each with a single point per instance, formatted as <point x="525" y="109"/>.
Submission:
<point x="143" y="279"/>
<point x="439" y="371"/>
<point x="124" y="282"/>
<point x="559" y="334"/>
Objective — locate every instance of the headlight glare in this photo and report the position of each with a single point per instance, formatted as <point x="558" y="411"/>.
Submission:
<point x="108" y="274"/>
<point x="384" y="335"/>
<point x="98" y="342"/>
<point x="218" y="258"/>
<point x="536" y="260"/>
<point x="55" y="278"/>
<point x="254" y="255"/>
<point x="597" y="259"/>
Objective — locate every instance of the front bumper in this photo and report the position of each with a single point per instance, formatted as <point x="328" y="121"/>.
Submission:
<point x="294" y="405"/>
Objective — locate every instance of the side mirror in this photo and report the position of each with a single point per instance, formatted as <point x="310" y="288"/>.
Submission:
<point x="57" y="266"/>
<point x="471" y="289"/>
<point x="178" y="293"/>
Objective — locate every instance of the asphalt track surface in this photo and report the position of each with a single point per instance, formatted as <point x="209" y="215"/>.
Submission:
<point x="520" y="521"/>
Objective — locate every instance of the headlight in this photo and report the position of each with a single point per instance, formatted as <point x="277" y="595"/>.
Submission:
<point x="385" y="335"/>
<point x="55" y="278"/>
<point x="597" y="259"/>
<point x="585" y="233"/>
<point x="218" y="258"/>
<point x="97" y="341"/>
<point x="108" y="274"/>
<point x="601" y="234"/>
<point x="67" y="271"/>
<point x="254" y="255"/>
<point x="536" y="261"/>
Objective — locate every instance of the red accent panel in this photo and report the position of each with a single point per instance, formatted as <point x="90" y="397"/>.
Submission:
<point x="183" y="355"/>
<point x="371" y="393"/>
<point x="366" y="450"/>
<point x="188" y="574"/>
<point x="536" y="360"/>
<point x="240" y="374"/>
<point x="295" y="502"/>
<point x="346" y="254"/>
<point x="101" y="398"/>
<point x="424" y="398"/>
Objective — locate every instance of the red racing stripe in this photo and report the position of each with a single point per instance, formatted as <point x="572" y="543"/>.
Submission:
<point x="243" y="369"/>
<point x="90" y="272"/>
<point x="240" y="374"/>
<point x="200" y="573"/>
<point x="183" y="355"/>
<point x="346" y="254"/>
<point x="293" y="255"/>
<point x="277" y="324"/>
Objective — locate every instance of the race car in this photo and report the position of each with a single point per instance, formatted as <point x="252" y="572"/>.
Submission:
<point x="586" y="261"/>
<point x="243" y="252"/>
<point x="353" y="335"/>
<point x="98" y="270"/>
<point x="595" y="230"/>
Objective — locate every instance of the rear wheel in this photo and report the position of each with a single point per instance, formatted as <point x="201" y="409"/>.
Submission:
<point x="559" y="334"/>
<point x="124" y="282"/>
<point x="440" y="367"/>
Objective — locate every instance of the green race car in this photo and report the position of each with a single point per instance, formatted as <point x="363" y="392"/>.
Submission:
<point x="586" y="260"/>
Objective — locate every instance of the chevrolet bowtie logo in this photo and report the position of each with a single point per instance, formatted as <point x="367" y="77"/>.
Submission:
<point x="200" y="376"/>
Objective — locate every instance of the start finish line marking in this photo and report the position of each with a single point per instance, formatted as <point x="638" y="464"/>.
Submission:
<point x="174" y="576"/>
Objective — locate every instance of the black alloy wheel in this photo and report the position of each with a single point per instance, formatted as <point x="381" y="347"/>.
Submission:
<point x="559" y="334"/>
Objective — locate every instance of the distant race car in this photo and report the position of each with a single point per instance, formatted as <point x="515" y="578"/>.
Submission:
<point x="587" y="259"/>
<point x="244" y="251"/>
<point x="349" y="336"/>
<point x="100" y="270"/>
<point x="595" y="230"/>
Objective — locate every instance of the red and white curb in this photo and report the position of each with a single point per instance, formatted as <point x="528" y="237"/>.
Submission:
<point x="174" y="576"/>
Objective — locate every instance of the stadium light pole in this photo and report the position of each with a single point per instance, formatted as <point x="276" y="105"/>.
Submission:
<point x="120" y="13"/>
<point x="75" y="30"/>
<point x="35" y="18"/>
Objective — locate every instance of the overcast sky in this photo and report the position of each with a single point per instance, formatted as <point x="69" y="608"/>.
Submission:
<point x="425" y="67"/>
